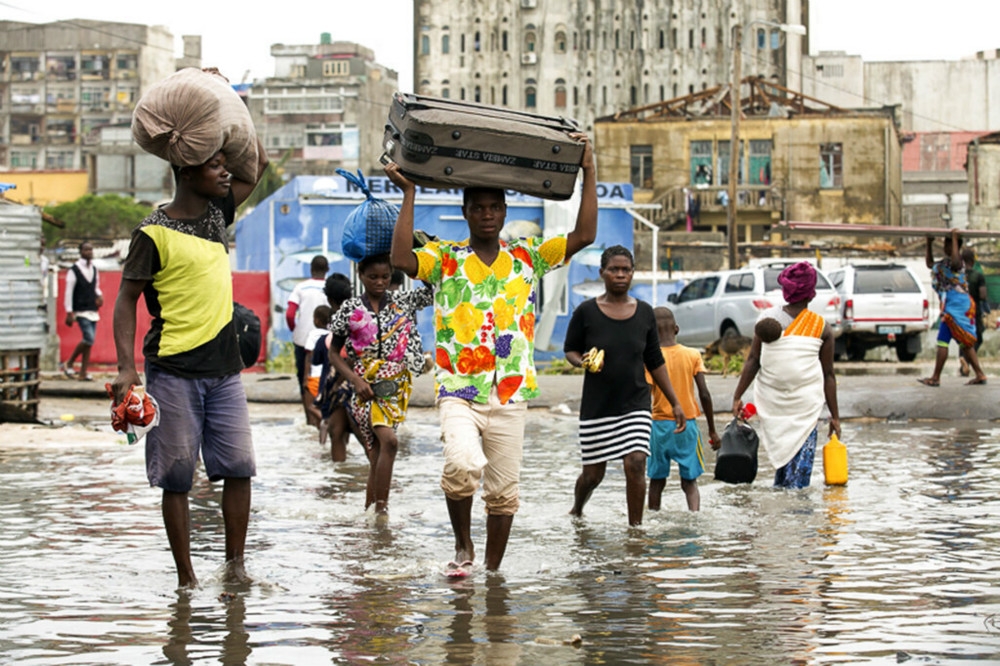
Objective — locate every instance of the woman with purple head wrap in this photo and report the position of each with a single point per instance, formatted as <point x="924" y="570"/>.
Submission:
<point x="793" y="378"/>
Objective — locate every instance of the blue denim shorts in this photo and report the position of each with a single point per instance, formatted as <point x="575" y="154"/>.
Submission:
<point x="666" y="445"/>
<point x="206" y="416"/>
<point x="89" y="330"/>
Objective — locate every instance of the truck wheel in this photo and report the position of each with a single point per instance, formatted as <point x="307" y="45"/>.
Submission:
<point x="856" y="351"/>
<point x="904" y="355"/>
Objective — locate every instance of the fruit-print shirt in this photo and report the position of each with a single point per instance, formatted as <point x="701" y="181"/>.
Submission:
<point x="484" y="316"/>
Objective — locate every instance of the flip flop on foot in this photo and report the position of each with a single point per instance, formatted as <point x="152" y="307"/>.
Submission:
<point x="455" y="570"/>
<point x="927" y="381"/>
<point x="976" y="381"/>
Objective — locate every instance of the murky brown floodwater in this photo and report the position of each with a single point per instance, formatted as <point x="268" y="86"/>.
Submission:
<point x="902" y="563"/>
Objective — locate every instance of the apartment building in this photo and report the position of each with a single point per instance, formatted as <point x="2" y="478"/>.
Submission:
<point x="589" y="59"/>
<point x="324" y="108"/>
<point x="62" y="84"/>
<point x="943" y="106"/>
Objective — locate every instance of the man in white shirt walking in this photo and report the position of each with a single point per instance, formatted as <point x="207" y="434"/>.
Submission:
<point x="83" y="297"/>
<point x="305" y="298"/>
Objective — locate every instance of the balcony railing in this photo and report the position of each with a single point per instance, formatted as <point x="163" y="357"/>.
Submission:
<point x="715" y="198"/>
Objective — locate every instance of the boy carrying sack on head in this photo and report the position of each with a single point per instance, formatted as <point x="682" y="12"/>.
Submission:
<point x="686" y="370"/>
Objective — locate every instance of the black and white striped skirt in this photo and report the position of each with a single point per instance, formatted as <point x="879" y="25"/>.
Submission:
<point x="612" y="437"/>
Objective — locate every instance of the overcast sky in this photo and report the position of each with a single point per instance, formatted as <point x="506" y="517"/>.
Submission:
<point x="237" y="38"/>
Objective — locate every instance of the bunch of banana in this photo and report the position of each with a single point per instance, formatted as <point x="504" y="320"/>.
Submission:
<point x="593" y="360"/>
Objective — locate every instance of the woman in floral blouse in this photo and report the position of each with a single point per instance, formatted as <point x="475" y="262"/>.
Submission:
<point x="383" y="354"/>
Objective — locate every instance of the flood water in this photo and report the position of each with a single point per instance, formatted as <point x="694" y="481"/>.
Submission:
<point x="902" y="564"/>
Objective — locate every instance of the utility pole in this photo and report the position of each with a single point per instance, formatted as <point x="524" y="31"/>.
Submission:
<point x="734" y="145"/>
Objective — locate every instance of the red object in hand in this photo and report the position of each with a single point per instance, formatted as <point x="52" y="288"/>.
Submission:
<point x="137" y="409"/>
<point x="748" y="411"/>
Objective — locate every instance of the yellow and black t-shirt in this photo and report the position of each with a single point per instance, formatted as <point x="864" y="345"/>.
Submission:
<point x="189" y="291"/>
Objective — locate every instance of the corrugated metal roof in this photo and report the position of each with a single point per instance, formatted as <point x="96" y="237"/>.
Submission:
<point x="22" y="320"/>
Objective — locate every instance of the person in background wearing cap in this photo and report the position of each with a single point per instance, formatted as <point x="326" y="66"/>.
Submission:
<point x="794" y="379"/>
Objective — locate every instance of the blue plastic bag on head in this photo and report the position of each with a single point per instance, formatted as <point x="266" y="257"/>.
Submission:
<point x="368" y="228"/>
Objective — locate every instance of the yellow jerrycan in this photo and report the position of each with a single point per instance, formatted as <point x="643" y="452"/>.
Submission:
<point x="835" y="462"/>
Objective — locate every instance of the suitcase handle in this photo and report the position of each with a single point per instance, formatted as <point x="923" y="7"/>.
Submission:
<point x="565" y="123"/>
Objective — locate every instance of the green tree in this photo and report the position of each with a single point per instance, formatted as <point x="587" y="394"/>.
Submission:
<point x="105" y="216"/>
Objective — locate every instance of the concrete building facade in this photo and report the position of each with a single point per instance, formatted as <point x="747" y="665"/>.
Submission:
<point x="63" y="83"/>
<point x="817" y="164"/>
<point x="589" y="59"/>
<point x="984" y="182"/>
<point x="324" y="108"/>
<point x="943" y="105"/>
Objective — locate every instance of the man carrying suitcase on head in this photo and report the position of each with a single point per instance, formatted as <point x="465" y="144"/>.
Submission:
<point x="484" y="303"/>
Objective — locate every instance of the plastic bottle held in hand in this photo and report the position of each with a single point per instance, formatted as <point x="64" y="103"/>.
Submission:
<point x="835" y="462"/>
<point x="748" y="411"/>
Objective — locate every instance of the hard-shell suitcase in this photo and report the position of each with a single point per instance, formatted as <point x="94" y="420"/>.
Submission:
<point x="444" y="143"/>
<point x="736" y="461"/>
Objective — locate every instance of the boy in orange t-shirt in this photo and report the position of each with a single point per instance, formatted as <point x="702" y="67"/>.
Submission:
<point x="686" y="370"/>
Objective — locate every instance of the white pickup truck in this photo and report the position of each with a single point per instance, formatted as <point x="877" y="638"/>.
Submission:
<point x="884" y="304"/>
<point x="714" y="304"/>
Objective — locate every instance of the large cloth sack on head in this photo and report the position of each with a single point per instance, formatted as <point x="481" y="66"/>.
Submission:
<point x="190" y="116"/>
<point x="368" y="228"/>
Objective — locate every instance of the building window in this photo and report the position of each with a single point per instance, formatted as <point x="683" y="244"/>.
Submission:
<point x="476" y="44"/>
<point x="761" y="38"/>
<point x="673" y="38"/>
<point x="704" y="38"/>
<point x="477" y="94"/>
<point x="23" y="159"/>
<point x="590" y="94"/>
<point x="445" y="43"/>
<point x="461" y="43"/>
<point x="576" y="96"/>
<point x="529" y="42"/>
<point x="336" y="67"/>
<point x="59" y="159"/>
<point x="723" y="163"/>
<point x="297" y="72"/>
<point x="633" y="96"/>
<point x="760" y="162"/>
<point x="831" y="166"/>
<point x="560" y="42"/>
<point x="445" y="93"/>
<point x="503" y="41"/>
<point x="425" y="45"/>
<point x="631" y="39"/>
<point x="560" y="95"/>
<point x="641" y="171"/>
<point x="503" y="95"/>
<point x="691" y="38"/>
<point x="618" y="42"/>
<point x="587" y="40"/>
<point x="701" y="163"/>
<point x="662" y="39"/>
<point x="530" y="100"/>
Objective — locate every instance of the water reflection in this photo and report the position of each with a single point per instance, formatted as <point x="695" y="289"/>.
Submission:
<point x="903" y="562"/>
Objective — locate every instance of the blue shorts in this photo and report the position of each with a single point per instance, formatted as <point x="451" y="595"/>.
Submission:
<point x="797" y="472"/>
<point x="89" y="330"/>
<point x="666" y="445"/>
<point x="207" y="416"/>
